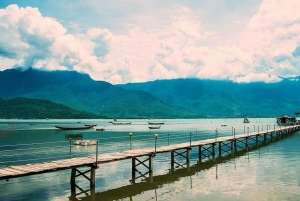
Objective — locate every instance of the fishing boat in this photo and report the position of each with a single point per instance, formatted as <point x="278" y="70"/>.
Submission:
<point x="100" y="129"/>
<point x="246" y="120"/>
<point x="287" y="121"/>
<point x="74" y="127"/>
<point x="155" y="123"/>
<point x="154" y="127"/>
<point x="121" y="122"/>
<point x="93" y="125"/>
<point x="116" y="122"/>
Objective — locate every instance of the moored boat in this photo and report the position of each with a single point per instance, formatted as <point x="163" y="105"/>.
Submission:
<point x="121" y="122"/>
<point x="100" y="129"/>
<point x="74" y="127"/>
<point x="287" y="121"/>
<point x="155" y="123"/>
<point x="154" y="127"/>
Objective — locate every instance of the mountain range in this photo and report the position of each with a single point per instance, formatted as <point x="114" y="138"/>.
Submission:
<point x="177" y="98"/>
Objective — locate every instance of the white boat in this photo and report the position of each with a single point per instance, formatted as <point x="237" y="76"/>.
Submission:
<point x="85" y="142"/>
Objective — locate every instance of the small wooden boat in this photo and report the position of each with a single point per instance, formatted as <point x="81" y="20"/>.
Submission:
<point x="74" y="127"/>
<point x="155" y="123"/>
<point x="154" y="127"/>
<point x="121" y="122"/>
<point x="100" y="129"/>
<point x="93" y="125"/>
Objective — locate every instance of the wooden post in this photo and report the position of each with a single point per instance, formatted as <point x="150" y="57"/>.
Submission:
<point x="220" y="149"/>
<point x="151" y="169"/>
<point x="130" y="135"/>
<point x="200" y="152"/>
<point x="188" y="156"/>
<point x="172" y="161"/>
<point x="70" y="144"/>
<point x="73" y="180"/>
<point x="93" y="177"/>
<point x="213" y="149"/>
<point x="133" y="170"/>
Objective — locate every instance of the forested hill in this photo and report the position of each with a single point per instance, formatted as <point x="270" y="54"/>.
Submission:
<point x="219" y="98"/>
<point x="80" y="92"/>
<point x="39" y="109"/>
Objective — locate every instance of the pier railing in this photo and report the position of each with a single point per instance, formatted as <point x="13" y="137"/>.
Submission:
<point x="20" y="154"/>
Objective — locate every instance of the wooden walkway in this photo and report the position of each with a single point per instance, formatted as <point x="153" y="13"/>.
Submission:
<point x="39" y="168"/>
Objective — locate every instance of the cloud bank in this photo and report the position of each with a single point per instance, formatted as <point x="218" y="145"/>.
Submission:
<point x="266" y="46"/>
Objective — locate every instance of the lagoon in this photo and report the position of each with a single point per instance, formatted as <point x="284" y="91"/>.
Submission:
<point x="270" y="172"/>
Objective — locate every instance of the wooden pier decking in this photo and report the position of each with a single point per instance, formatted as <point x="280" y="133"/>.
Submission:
<point x="91" y="161"/>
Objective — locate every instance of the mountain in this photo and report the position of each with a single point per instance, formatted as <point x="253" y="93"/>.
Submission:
<point x="39" y="109"/>
<point x="80" y="92"/>
<point x="214" y="98"/>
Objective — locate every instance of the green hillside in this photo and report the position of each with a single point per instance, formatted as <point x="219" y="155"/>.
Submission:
<point x="39" y="109"/>
<point x="80" y="92"/>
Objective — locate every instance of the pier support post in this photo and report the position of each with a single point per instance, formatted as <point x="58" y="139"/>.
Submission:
<point x="200" y="153"/>
<point x="133" y="170"/>
<point x="73" y="180"/>
<point x="93" y="177"/>
<point x="172" y="161"/>
<point x="220" y="149"/>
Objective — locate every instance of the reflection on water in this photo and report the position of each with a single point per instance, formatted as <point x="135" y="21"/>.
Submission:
<point x="267" y="172"/>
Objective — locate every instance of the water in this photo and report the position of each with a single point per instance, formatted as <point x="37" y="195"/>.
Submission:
<point x="267" y="172"/>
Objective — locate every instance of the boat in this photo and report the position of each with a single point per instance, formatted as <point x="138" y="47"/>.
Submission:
<point x="100" y="129"/>
<point x="85" y="142"/>
<point x="287" y="121"/>
<point x="246" y="120"/>
<point x="120" y="122"/>
<point x="116" y="122"/>
<point x="154" y="127"/>
<point x="74" y="127"/>
<point x="93" y="125"/>
<point x="155" y="123"/>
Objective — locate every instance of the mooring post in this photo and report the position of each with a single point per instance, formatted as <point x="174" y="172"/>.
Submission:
<point x="70" y="144"/>
<point x="130" y="135"/>
<point x="216" y="134"/>
<point x="248" y="131"/>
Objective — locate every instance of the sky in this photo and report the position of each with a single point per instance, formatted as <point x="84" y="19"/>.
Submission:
<point x="123" y="41"/>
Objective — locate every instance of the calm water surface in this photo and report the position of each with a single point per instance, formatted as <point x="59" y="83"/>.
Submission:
<point x="267" y="172"/>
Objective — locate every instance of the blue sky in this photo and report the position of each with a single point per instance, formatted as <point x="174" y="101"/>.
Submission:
<point x="121" y="41"/>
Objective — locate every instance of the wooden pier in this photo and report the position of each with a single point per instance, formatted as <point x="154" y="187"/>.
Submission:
<point x="144" y="157"/>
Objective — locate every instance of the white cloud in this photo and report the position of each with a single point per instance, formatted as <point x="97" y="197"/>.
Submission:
<point x="174" y="43"/>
